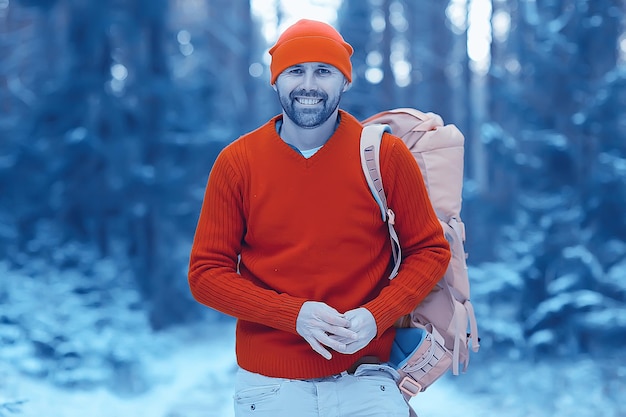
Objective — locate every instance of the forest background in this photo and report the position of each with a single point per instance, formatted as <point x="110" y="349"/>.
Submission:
<point x="112" y="113"/>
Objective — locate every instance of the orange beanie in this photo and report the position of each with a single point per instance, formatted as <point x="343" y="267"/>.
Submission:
<point x="310" y="41"/>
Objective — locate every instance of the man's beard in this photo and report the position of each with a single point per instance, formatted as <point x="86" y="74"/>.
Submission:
<point x="308" y="118"/>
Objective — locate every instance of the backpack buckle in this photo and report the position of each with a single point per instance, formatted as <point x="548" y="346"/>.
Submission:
<point x="409" y="386"/>
<point x="391" y="217"/>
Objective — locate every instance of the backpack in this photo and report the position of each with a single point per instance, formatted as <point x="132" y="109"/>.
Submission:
<point x="433" y="337"/>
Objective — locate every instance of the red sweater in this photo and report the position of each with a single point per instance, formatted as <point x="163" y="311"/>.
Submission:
<point x="276" y="230"/>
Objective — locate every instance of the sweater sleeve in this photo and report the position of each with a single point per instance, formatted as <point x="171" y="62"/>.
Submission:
<point x="425" y="251"/>
<point x="213" y="267"/>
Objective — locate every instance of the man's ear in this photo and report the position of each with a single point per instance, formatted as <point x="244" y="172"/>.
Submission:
<point x="346" y="85"/>
<point x="274" y="87"/>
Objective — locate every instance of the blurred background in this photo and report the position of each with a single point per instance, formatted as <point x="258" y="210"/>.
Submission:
<point x="113" y="111"/>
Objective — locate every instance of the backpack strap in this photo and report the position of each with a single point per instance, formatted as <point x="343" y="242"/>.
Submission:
<point x="459" y="228"/>
<point x="473" y="326"/>
<point x="371" y="137"/>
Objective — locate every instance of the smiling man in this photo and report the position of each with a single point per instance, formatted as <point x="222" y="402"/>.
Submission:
<point x="302" y="91"/>
<point x="290" y="242"/>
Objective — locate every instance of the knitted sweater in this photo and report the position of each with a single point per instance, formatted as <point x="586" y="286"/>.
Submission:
<point x="276" y="230"/>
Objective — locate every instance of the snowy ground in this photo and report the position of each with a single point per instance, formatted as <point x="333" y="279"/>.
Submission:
<point x="193" y="378"/>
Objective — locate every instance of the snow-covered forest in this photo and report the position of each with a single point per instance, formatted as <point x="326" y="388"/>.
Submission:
<point x="112" y="113"/>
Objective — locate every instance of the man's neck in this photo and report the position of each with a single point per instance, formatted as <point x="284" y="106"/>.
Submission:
<point x="304" y="139"/>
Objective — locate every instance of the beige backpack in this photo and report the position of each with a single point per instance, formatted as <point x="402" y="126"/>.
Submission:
<point x="434" y="337"/>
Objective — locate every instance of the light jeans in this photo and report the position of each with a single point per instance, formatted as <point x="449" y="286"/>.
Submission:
<point x="370" y="392"/>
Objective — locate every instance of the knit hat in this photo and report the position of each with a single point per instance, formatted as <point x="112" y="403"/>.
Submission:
<point x="310" y="41"/>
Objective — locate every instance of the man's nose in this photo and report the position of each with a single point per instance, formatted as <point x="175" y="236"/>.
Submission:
<point x="309" y="81"/>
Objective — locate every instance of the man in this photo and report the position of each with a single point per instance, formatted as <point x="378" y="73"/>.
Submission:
<point x="290" y="241"/>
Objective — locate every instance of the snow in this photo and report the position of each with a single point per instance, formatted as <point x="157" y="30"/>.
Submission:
<point x="196" y="378"/>
<point x="69" y="350"/>
<point x="193" y="379"/>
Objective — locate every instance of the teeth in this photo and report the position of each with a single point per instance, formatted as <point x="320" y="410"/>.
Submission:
<point x="309" y="101"/>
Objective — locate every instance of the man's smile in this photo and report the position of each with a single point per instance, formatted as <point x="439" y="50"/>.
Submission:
<point x="307" y="101"/>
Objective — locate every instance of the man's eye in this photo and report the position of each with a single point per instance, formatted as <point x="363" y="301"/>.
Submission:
<point x="323" y="71"/>
<point x="295" y="71"/>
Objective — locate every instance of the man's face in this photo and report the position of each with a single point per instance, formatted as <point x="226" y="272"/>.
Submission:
<point x="310" y="92"/>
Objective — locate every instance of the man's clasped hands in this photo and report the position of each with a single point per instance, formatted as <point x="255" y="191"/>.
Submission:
<point x="322" y="326"/>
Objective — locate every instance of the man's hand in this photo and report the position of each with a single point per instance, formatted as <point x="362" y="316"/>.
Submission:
<point x="321" y="325"/>
<point x="362" y="322"/>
